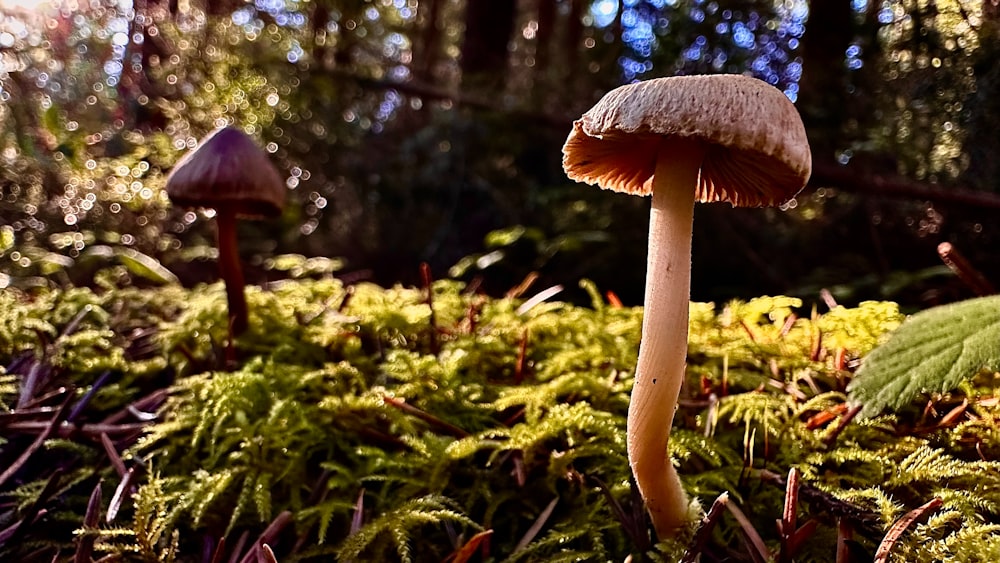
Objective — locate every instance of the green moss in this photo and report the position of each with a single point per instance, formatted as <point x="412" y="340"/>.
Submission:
<point x="393" y="430"/>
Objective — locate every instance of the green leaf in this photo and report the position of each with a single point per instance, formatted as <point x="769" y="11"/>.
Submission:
<point x="6" y="238"/>
<point x="145" y="266"/>
<point x="933" y="351"/>
<point x="505" y="237"/>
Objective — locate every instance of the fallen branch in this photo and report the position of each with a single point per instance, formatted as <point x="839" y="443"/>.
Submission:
<point x="867" y="521"/>
<point x="755" y="544"/>
<point x="970" y="276"/>
<point x="268" y="536"/>
<point x="46" y="430"/>
<point x="850" y="179"/>
<point x="901" y="525"/>
<point x="705" y="529"/>
<point x="444" y="426"/>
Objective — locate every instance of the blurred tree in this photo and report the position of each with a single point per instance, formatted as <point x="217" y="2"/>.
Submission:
<point x="825" y="80"/>
<point x="981" y="143"/>
<point x="410" y="129"/>
<point x="488" y="28"/>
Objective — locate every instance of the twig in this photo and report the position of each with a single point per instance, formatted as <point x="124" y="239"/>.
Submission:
<point x="844" y="534"/>
<point x="965" y="271"/>
<point x="319" y="488"/>
<point x="265" y="554"/>
<point x="614" y="301"/>
<point x="759" y="550"/>
<point x="38" y="413"/>
<point x="828" y="299"/>
<point x="520" y="474"/>
<point x="119" y="496"/>
<point x="536" y="526"/>
<point x="514" y="417"/>
<point x="705" y="529"/>
<point x="74" y="323"/>
<point x="46" y="397"/>
<point x="220" y="551"/>
<point x="540" y="297"/>
<point x="85" y="400"/>
<point x="38" y="370"/>
<point x="816" y="350"/>
<point x="7" y="533"/>
<point x="787" y="327"/>
<point x="358" y="518"/>
<point x="522" y="357"/>
<point x="520" y="289"/>
<point x="85" y="540"/>
<point x="897" y="529"/>
<point x="711" y="414"/>
<point x="428" y="280"/>
<point x="751" y="333"/>
<point x="870" y="522"/>
<point x="37" y="444"/>
<point x="238" y="548"/>
<point x="825" y="416"/>
<point x="840" y="359"/>
<point x="317" y="496"/>
<point x="35" y="509"/>
<point x="269" y="535"/>
<point x="116" y="459"/>
<point x="29" y="383"/>
<point x="830" y="438"/>
<point x="93" y="430"/>
<point x="19" y="362"/>
<point x="149" y="403"/>
<point x="789" y="515"/>
<point x="951" y="417"/>
<point x="425" y="416"/>
<point x="633" y="525"/>
<point x="464" y="553"/>
<point x="799" y="537"/>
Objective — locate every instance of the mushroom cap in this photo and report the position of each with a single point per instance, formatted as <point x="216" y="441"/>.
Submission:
<point x="228" y="171"/>
<point x="756" y="154"/>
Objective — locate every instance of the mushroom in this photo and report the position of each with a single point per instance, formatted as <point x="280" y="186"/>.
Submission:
<point x="227" y="172"/>
<point x="682" y="139"/>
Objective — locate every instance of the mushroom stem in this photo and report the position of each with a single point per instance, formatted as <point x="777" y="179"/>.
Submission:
<point x="231" y="272"/>
<point x="663" y="348"/>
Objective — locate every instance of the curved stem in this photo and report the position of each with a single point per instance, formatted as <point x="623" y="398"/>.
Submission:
<point x="231" y="272"/>
<point x="663" y="348"/>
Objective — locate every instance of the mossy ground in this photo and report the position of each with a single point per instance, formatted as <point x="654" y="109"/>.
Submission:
<point x="368" y="424"/>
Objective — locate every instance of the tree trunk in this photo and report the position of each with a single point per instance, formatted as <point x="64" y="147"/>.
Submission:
<point x="488" y="28"/>
<point x="981" y="142"/>
<point x="574" y="35"/>
<point x="425" y="49"/>
<point x="221" y="7"/>
<point x="543" y="43"/>
<point x="320" y="19"/>
<point x="823" y="87"/>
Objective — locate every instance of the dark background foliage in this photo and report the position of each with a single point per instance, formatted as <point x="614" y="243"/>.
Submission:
<point x="409" y="130"/>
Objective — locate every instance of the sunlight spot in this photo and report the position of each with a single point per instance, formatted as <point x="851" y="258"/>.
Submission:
<point x="25" y="5"/>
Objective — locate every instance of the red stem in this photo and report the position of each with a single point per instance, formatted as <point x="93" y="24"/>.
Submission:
<point x="232" y="273"/>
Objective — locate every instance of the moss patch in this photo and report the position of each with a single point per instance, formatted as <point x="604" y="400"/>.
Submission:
<point x="364" y="423"/>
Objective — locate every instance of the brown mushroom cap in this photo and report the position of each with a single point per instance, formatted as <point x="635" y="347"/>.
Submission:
<point x="228" y="171"/>
<point x="756" y="148"/>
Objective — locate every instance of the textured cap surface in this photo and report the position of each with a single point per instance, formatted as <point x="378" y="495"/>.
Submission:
<point x="756" y="147"/>
<point x="228" y="171"/>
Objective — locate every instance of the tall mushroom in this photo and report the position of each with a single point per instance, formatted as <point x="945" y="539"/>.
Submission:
<point x="682" y="139"/>
<point x="227" y="172"/>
